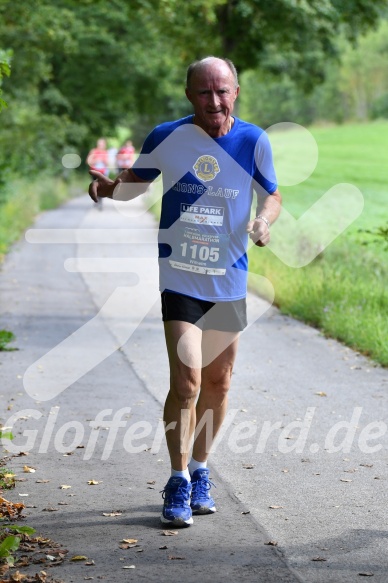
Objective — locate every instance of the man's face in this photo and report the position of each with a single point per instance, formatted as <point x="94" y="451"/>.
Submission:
<point x="212" y="92"/>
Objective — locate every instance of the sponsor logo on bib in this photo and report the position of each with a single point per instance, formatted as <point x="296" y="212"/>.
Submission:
<point x="206" y="168"/>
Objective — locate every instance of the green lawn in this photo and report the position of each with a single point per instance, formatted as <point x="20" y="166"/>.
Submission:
<point x="344" y="291"/>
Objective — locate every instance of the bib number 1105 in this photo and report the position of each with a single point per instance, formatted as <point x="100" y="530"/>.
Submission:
<point x="201" y="252"/>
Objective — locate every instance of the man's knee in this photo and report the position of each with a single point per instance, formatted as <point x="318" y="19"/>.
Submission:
<point x="217" y="382"/>
<point x="185" y="384"/>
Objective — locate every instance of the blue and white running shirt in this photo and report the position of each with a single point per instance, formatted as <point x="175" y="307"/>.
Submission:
<point x="208" y="185"/>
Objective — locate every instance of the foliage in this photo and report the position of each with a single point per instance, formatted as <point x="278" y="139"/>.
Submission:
<point x="354" y="88"/>
<point x="9" y="543"/>
<point x="5" y="338"/>
<point x="79" y="69"/>
<point x="7" y="478"/>
<point x="7" y="547"/>
<point x="277" y="36"/>
<point x="5" y="70"/>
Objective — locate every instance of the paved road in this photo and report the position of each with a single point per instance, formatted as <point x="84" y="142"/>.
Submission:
<point x="294" y="464"/>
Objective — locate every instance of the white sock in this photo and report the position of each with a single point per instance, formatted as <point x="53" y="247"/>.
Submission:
<point x="194" y="465"/>
<point x="181" y="474"/>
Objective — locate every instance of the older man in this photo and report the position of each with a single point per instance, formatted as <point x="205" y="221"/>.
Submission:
<point x="211" y="163"/>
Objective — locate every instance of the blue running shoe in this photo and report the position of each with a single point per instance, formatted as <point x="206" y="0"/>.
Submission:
<point x="201" y="501"/>
<point x="176" y="508"/>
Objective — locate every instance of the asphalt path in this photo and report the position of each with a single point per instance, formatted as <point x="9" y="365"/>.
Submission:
<point x="301" y="462"/>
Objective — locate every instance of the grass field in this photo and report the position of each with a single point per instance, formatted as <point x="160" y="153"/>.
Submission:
<point x="344" y="291"/>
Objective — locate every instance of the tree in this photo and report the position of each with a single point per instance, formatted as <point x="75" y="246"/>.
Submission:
<point x="82" y="67"/>
<point x="297" y="36"/>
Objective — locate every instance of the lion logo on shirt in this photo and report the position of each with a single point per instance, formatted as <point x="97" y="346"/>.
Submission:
<point x="206" y="168"/>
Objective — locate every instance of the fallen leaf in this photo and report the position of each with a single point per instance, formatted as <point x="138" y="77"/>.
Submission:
<point x="163" y="548"/>
<point x="112" y="513"/>
<point x="321" y="394"/>
<point x="151" y="482"/>
<point x="64" y="487"/>
<point x="169" y="532"/>
<point x="63" y="503"/>
<point x="29" y="470"/>
<point x="272" y="543"/>
<point x="18" y="576"/>
<point x="274" y="507"/>
<point x="49" y="509"/>
<point x="318" y="559"/>
<point x="79" y="558"/>
<point x="285" y="471"/>
<point x="345" y="480"/>
<point x="248" y="466"/>
<point x="23" y="494"/>
<point x="129" y="567"/>
<point x="130" y="541"/>
<point x="367" y="465"/>
<point x="42" y="481"/>
<point x="90" y="563"/>
<point x="140" y="551"/>
<point x="88" y="578"/>
<point x="93" y="482"/>
<point x="246" y="512"/>
<point x="366" y="574"/>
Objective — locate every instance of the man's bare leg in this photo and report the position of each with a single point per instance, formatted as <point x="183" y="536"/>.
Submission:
<point x="213" y="399"/>
<point x="185" y="382"/>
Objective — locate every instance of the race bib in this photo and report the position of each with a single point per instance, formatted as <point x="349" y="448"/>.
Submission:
<point x="199" y="252"/>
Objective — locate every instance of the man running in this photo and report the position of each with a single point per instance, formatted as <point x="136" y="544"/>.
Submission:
<point x="211" y="163"/>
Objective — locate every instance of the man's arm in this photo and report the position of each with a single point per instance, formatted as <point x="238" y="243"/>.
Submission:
<point x="267" y="211"/>
<point x="104" y="187"/>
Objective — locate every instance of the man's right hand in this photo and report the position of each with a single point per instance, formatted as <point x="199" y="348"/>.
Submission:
<point x="101" y="186"/>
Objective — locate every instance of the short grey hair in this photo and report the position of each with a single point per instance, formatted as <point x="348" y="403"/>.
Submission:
<point x="200" y="63"/>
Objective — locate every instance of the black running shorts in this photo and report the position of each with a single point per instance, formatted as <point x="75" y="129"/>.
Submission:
<point x="225" y="316"/>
